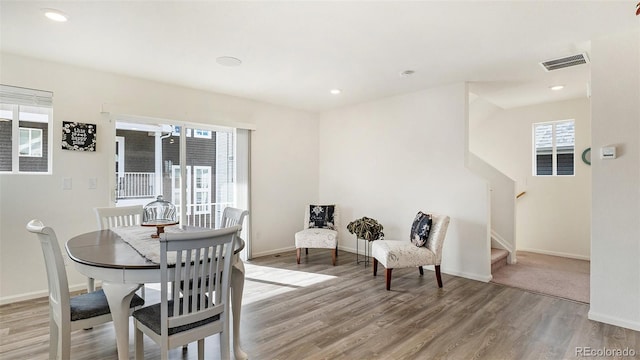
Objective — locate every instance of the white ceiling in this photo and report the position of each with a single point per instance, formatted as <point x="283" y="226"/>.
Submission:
<point x="293" y="53"/>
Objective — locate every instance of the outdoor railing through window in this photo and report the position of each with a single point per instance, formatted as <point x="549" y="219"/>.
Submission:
<point x="136" y="185"/>
<point x="206" y="215"/>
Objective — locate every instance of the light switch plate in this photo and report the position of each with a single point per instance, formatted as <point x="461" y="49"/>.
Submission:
<point x="93" y="183"/>
<point x="66" y="184"/>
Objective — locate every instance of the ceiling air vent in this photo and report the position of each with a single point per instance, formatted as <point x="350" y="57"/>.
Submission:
<point x="561" y="63"/>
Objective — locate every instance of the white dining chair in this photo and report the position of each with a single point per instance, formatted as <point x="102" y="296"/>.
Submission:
<point x="195" y="313"/>
<point x="110" y="217"/>
<point x="66" y="313"/>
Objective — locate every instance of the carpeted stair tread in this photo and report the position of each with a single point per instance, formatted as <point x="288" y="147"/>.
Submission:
<point x="498" y="259"/>
<point x="498" y="254"/>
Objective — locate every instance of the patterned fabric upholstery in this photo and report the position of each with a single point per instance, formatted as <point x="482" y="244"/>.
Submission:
<point x="312" y="237"/>
<point x="400" y="254"/>
<point x="316" y="238"/>
<point x="420" y="229"/>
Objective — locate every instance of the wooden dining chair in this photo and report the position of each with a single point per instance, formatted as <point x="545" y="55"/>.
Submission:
<point x="66" y="313"/>
<point x="110" y="217"/>
<point x="201" y="311"/>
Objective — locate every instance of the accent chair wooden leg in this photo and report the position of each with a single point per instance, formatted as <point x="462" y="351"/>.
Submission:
<point x="375" y="266"/>
<point x="306" y="251"/>
<point x="438" y="276"/>
<point x="333" y="257"/>
<point x="421" y="270"/>
<point x="298" y="255"/>
<point x="388" y="278"/>
<point x="336" y="250"/>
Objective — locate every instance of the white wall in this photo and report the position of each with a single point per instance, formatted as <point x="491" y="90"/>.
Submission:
<point x="283" y="179"/>
<point x="615" y="245"/>
<point x="553" y="216"/>
<point x="390" y="158"/>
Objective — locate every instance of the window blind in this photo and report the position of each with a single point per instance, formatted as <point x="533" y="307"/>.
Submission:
<point x="23" y="96"/>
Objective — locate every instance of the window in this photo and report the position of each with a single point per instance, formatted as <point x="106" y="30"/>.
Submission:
<point x="202" y="193"/>
<point x="25" y="130"/>
<point x="554" y="148"/>
<point x="205" y="134"/>
<point x="30" y="142"/>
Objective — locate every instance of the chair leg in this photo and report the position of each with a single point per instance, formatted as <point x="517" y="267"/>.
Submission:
<point x="91" y="287"/>
<point x="54" y="336"/>
<point x="139" y="342"/>
<point x="306" y="251"/>
<point x="333" y="257"/>
<point x="388" y="278"/>
<point x="375" y="266"/>
<point x="438" y="276"/>
<point x="421" y="270"/>
<point x="201" y="349"/>
<point x="298" y="255"/>
<point x="336" y="250"/>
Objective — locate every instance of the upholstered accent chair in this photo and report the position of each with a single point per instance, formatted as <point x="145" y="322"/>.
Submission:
<point x="317" y="236"/>
<point x="393" y="254"/>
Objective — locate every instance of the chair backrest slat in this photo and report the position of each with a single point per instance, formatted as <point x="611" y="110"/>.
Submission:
<point x="232" y="216"/>
<point x="203" y="266"/>
<point x="110" y="217"/>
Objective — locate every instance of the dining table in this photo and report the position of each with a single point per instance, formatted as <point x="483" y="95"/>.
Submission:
<point x="107" y="256"/>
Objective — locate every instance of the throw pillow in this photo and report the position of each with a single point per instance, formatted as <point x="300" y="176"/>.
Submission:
<point x="420" y="229"/>
<point x="321" y="216"/>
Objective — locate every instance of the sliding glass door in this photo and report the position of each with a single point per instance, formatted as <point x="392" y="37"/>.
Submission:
<point x="192" y="167"/>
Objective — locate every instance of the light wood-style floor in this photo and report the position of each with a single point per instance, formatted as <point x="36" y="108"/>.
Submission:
<point x="318" y="311"/>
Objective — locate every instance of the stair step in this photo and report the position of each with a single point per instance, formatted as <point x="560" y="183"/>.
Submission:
<point x="498" y="259"/>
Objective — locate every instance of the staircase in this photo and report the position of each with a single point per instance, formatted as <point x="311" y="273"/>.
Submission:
<point x="498" y="259"/>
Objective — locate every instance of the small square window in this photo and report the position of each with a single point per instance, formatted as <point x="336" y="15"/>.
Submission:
<point x="554" y="148"/>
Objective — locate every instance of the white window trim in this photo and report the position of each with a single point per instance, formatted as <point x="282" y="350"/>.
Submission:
<point x="15" y="140"/>
<point x="29" y="144"/>
<point x="554" y="148"/>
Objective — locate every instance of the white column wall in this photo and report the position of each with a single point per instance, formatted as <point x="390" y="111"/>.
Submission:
<point x="615" y="224"/>
<point x="390" y="158"/>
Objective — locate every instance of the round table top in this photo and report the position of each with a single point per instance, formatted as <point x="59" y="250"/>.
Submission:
<point x="104" y="248"/>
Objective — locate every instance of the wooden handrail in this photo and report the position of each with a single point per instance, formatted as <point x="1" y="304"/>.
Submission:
<point x="520" y="195"/>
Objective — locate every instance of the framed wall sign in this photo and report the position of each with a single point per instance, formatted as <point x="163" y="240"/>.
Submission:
<point x="78" y="136"/>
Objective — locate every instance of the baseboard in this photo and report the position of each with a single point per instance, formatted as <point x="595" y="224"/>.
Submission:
<point x="633" y="325"/>
<point x="35" y="295"/>
<point x="292" y="248"/>
<point x="556" y="253"/>
<point x="472" y="276"/>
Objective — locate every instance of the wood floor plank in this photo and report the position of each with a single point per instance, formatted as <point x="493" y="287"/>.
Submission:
<point x="318" y="311"/>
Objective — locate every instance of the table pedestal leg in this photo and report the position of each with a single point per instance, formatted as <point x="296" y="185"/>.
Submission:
<point x="119" y="298"/>
<point x="237" y="287"/>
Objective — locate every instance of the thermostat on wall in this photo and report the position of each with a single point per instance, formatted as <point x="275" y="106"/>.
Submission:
<point x="608" y="152"/>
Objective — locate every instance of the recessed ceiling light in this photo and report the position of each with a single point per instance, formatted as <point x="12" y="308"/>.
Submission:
<point x="556" y="87"/>
<point x="335" y="91"/>
<point x="55" y="15"/>
<point x="407" y="73"/>
<point x="228" y="61"/>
